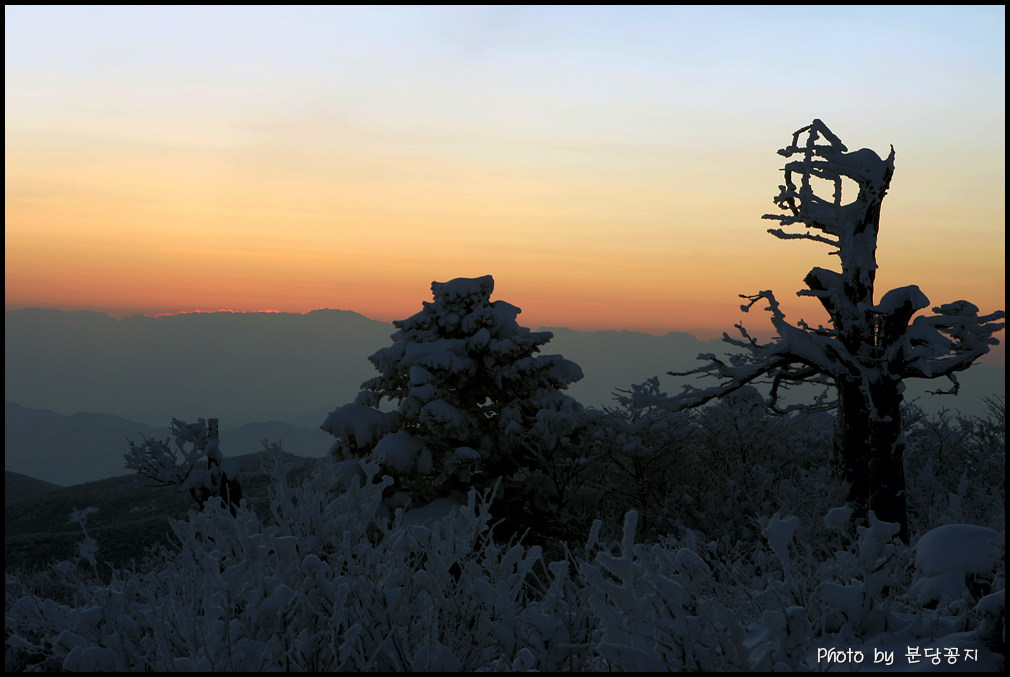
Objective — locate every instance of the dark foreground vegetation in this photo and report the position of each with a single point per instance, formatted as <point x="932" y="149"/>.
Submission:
<point x="714" y="540"/>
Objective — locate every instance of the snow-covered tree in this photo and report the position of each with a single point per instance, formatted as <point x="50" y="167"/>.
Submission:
<point x="475" y="405"/>
<point x="869" y="348"/>
<point x="184" y="465"/>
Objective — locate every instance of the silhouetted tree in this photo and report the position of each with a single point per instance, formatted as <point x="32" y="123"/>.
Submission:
<point x="183" y="466"/>
<point x="868" y="349"/>
<point x="476" y="407"/>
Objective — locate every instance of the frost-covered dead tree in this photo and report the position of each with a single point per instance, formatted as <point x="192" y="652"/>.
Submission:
<point x="868" y="349"/>
<point x="183" y="466"/>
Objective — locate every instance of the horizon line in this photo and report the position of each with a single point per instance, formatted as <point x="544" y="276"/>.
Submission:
<point x="995" y="357"/>
<point x="122" y="315"/>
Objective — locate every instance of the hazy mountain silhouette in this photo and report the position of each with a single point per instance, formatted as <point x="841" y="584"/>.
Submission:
<point x="245" y="367"/>
<point x="238" y="367"/>
<point x="248" y="367"/>
<point x="71" y="449"/>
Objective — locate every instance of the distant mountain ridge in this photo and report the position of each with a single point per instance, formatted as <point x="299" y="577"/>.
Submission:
<point x="68" y="450"/>
<point x="239" y="367"/>
<point x="245" y="367"/>
<point x="294" y="368"/>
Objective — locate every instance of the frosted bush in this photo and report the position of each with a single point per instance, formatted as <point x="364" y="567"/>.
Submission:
<point x="330" y="584"/>
<point x="716" y="469"/>
<point x="956" y="468"/>
<point x="854" y="599"/>
<point x="652" y="612"/>
<point x="331" y="576"/>
<point x="957" y="564"/>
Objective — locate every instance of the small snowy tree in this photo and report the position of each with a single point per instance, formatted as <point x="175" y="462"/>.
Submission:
<point x="868" y="349"/>
<point x="475" y="405"/>
<point x="181" y="466"/>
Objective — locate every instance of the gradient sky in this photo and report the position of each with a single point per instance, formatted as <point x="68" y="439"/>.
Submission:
<point x="609" y="166"/>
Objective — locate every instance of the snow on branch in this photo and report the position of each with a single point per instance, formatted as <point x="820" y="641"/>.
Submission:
<point x="164" y="464"/>
<point x="182" y="467"/>
<point x="831" y="163"/>
<point x="794" y="357"/>
<point x="783" y="235"/>
<point x="950" y="341"/>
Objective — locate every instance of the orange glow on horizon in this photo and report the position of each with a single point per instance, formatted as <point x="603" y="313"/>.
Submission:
<point x="220" y="310"/>
<point x="587" y="165"/>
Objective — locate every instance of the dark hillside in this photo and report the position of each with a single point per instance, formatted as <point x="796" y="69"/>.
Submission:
<point x="132" y="516"/>
<point x="18" y="486"/>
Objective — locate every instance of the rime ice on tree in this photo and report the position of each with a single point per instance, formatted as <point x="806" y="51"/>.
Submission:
<point x="157" y="461"/>
<point x="475" y="403"/>
<point x="868" y="349"/>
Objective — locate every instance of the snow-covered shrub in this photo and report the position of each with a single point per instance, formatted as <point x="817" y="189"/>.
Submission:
<point x="956" y="468"/>
<point x="657" y="610"/>
<point x="87" y="549"/>
<point x="475" y="406"/>
<point x="327" y="581"/>
<point x="957" y="565"/>
<point x="751" y="462"/>
<point x="854" y="600"/>
<point x="715" y="469"/>
<point x="693" y="604"/>
<point x="648" y="460"/>
<point x="328" y="584"/>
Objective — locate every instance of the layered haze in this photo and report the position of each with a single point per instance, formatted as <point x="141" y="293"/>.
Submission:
<point x="245" y="367"/>
<point x="292" y="368"/>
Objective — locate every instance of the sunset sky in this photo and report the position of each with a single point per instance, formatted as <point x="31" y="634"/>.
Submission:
<point x="608" y="166"/>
